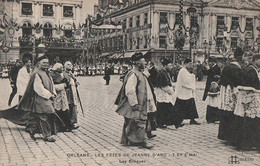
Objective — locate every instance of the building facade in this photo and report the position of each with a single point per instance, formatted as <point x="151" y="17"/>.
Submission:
<point x="159" y="28"/>
<point x="58" y="24"/>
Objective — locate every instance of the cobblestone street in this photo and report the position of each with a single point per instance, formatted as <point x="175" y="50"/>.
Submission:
<point x="97" y="141"/>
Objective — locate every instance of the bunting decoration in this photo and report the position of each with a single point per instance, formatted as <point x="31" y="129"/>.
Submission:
<point x="179" y="37"/>
<point x="180" y="19"/>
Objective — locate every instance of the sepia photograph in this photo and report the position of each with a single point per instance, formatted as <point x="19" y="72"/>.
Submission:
<point x="129" y="82"/>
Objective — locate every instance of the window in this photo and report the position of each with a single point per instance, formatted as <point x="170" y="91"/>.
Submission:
<point x="68" y="11"/>
<point x="47" y="30"/>
<point x="47" y="10"/>
<point x="120" y="43"/>
<point x="124" y="24"/>
<point x="220" y="22"/>
<point x="110" y="44"/>
<point x="137" y="21"/>
<point x="104" y="44"/>
<point x="163" y="18"/>
<point x="162" y="42"/>
<point x="138" y="43"/>
<point x="101" y="45"/>
<point x="234" y="43"/>
<point x="130" y="22"/>
<point x="249" y="24"/>
<point x="68" y="30"/>
<point x="27" y="29"/>
<point x="130" y="44"/>
<point x="145" y="18"/>
<point x="145" y="41"/>
<point x="235" y="23"/>
<point x="219" y="43"/>
<point x="68" y="33"/>
<point x="194" y="21"/>
<point x="125" y="42"/>
<point x="27" y="9"/>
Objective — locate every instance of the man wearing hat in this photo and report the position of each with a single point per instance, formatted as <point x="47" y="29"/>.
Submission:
<point x="211" y="73"/>
<point x="231" y="77"/>
<point x="24" y="75"/>
<point x="135" y="100"/>
<point x="164" y="96"/>
<point x="185" y="90"/>
<point x="38" y="100"/>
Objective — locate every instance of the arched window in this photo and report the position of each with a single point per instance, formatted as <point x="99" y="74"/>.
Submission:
<point x="68" y="30"/>
<point x="47" y="30"/>
<point x="27" y="29"/>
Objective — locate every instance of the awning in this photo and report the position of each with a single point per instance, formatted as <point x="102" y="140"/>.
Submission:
<point x="104" y="55"/>
<point x="107" y="26"/>
<point x="129" y="54"/>
<point x="116" y="56"/>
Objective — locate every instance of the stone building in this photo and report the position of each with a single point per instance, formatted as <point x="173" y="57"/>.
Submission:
<point x="56" y="23"/>
<point x="156" y="28"/>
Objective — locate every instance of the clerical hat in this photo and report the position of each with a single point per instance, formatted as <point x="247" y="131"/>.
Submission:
<point x="137" y="56"/>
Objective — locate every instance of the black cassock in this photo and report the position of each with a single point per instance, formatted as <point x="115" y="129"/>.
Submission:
<point x="212" y="72"/>
<point x="247" y="128"/>
<point x="231" y="76"/>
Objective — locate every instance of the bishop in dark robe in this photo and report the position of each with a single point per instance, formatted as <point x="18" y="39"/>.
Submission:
<point x="247" y="110"/>
<point x="231" y="77"/>
<point x="38" y="100"/>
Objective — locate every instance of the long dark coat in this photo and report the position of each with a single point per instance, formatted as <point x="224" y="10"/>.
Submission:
<point x="31" y="101"/>
<point x="212" y="72"/>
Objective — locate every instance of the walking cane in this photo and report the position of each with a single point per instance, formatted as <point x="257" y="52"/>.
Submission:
<point x="80" y="102"/>
<point x="63" y="124"/>
<point x="73" y="77"/>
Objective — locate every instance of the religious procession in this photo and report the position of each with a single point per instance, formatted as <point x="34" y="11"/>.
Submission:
<point x="49" y="101"/>
<point x="175" y="81"/>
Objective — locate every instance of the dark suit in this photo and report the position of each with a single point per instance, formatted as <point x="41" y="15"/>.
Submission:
<point x="212" y="72"/>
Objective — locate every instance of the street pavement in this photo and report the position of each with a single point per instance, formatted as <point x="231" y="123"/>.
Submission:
<point x="97" y="141"/>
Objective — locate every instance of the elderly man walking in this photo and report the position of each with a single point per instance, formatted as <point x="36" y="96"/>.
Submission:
<point x="71" y="94"/>
<point x="61" y="104"/>
<point x="38" y="100"/>
<point x="134" y="101"/>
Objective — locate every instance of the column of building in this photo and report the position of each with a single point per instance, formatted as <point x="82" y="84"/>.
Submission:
<point x="243" y="26"/>
<point x="58" y="15"/>
<point x="170" y="36"/>
<point x="155" y="30"/>
<point x="186" y="21"/>
<point x="213" y="32"/>
<point x="37" y="14"/>
<point x="228" y="38"/>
